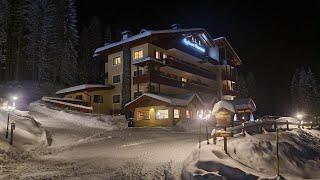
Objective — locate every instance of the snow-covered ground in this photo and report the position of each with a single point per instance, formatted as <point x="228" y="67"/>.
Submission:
<point x="60" y="144"/>
<point x="253" y="157"/>
<point x="96" y="147"/>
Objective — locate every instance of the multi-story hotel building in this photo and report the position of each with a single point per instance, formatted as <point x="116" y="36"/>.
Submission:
<point x="168" y="67"/>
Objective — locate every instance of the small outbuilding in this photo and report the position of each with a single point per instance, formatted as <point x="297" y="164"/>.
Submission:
<point x="244" y="109"/>
<point x="163" y="110"/>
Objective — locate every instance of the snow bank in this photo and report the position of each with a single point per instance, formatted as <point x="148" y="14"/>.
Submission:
<point x="193" y="125"/>
<point x="28" y="133"/>
<point x="253" y="157"/>
<point x="83" y="119"/>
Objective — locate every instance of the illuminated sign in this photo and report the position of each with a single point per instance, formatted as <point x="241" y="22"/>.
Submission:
<point x="194" y="45"/>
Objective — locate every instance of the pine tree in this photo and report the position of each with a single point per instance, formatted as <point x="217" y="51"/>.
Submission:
<point x="40" y="47"/>
<point x="294" y="90"/>
<point x="91" y="38"/>
<point x="107" y="35"/>
<point x="241" y="86"/>
<point x="251" y="85"/>
<point x="3" y="36"/>
<point x="15" y="38"/>
<point x="66" y="42"/>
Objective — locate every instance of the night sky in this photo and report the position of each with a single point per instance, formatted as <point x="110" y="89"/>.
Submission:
<point x="271" y="39"/>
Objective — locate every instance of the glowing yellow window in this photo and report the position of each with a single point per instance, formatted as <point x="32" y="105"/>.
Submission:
<point x="138" y="54"/>
<point x="176" y="113"/>
<point x="116" y="61"/>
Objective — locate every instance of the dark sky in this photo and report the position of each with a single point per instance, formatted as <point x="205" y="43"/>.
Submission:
<point x="272" y="39"/>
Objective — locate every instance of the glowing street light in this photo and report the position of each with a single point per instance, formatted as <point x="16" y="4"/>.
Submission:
<point x="204" y="115"/>
<point x="299" y="116"/>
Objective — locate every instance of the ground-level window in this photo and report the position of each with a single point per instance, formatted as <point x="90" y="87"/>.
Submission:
<point x="79" y="97"/>
<point x="143" y="115"/>
<point x="157" y="54"/>
<point x="188" y="113"/>
<point x="162" y="114"/>
<point x="97" y="99"/>
<point x="137" y="94"/>
<point x="116" y="79"/>
<point x="176" y="113"/>
<point x="116" y="98"/>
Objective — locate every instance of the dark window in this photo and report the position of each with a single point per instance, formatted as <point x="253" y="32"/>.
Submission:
<point x="116" y="79"/>
<point x="116" y="99"/>
<point x="98" y="99"/>
<point x="79" y="97"/>
<point x="137" y="72"/>
<point x="137" y="94"/>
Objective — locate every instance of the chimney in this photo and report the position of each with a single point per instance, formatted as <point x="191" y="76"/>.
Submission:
<point x="175" y="26"/>
<point x="126" y="34"/>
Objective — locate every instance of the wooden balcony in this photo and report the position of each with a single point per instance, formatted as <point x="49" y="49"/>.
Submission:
<point x="229" y="92"/>
<point x="178" y="64"/>
<point x="173" y="82"/>
<point x="229" y="76"/>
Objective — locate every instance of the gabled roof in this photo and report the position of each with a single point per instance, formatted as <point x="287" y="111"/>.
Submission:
<point x="147" y="33"/>
<point x="83" y="87"/>
<point x="229" y="46"/>
<point x="223" y="104"/>
<point x="174" y="100"/>
<point x="244" y="104"/>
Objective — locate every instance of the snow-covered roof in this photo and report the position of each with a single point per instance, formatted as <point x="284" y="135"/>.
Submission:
<point x="177" y="100"/>
<point x="82" y="87"/>
<point x="225" y="39"/>
<point x="144" y="34"/>
<point x="245" y="103"/>
<point x="223" y="104"/>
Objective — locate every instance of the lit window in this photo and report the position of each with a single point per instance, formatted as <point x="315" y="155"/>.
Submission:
<point x="116" y="61"/>
<point x="157" y="54"/>
<point x="164" y="56"/>
<point x="162" y="114"/>
<point x="116" y="79"/>
<point x="97" y="99"/>
<point x="176" y="113"/>
<point x="183" y="79"/>
<point x="188" y="113"/>
<point x="143" y="115"/>
<point x="116" y="99"/>
<point x="138" y="54"/>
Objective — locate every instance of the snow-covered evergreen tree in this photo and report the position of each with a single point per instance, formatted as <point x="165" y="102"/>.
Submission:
<point x="66" y="42"/>
<point x="3" y="31"/>
<point x="40" y="47"/>
<point x="107" y="35"/>
<point x="251" y="85"/>
<point x="241" y="86"/>
<point x="294" y="89"/>
<point x="91" y="69"/>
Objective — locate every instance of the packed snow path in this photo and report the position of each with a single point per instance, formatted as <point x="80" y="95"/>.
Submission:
<point x="90" y="152"/>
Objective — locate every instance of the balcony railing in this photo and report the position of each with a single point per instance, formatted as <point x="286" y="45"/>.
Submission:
<point x="229" y="92"/>
<point x="229" y="76"/>
<point x="178" y="64"/>
<point x="169" y="81"/>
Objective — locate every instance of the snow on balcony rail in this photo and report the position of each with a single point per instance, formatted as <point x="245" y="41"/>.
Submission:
<point x="71" y="105"/>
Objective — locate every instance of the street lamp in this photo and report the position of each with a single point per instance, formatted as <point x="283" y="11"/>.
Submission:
<point x="299" y="116"/>
<point x="205" y="115"/>
<point x="8" y="108"/>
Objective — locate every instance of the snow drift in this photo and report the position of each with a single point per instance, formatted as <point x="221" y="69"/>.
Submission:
<point x="254" y="157"/>
<point x="82" y="119"/>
